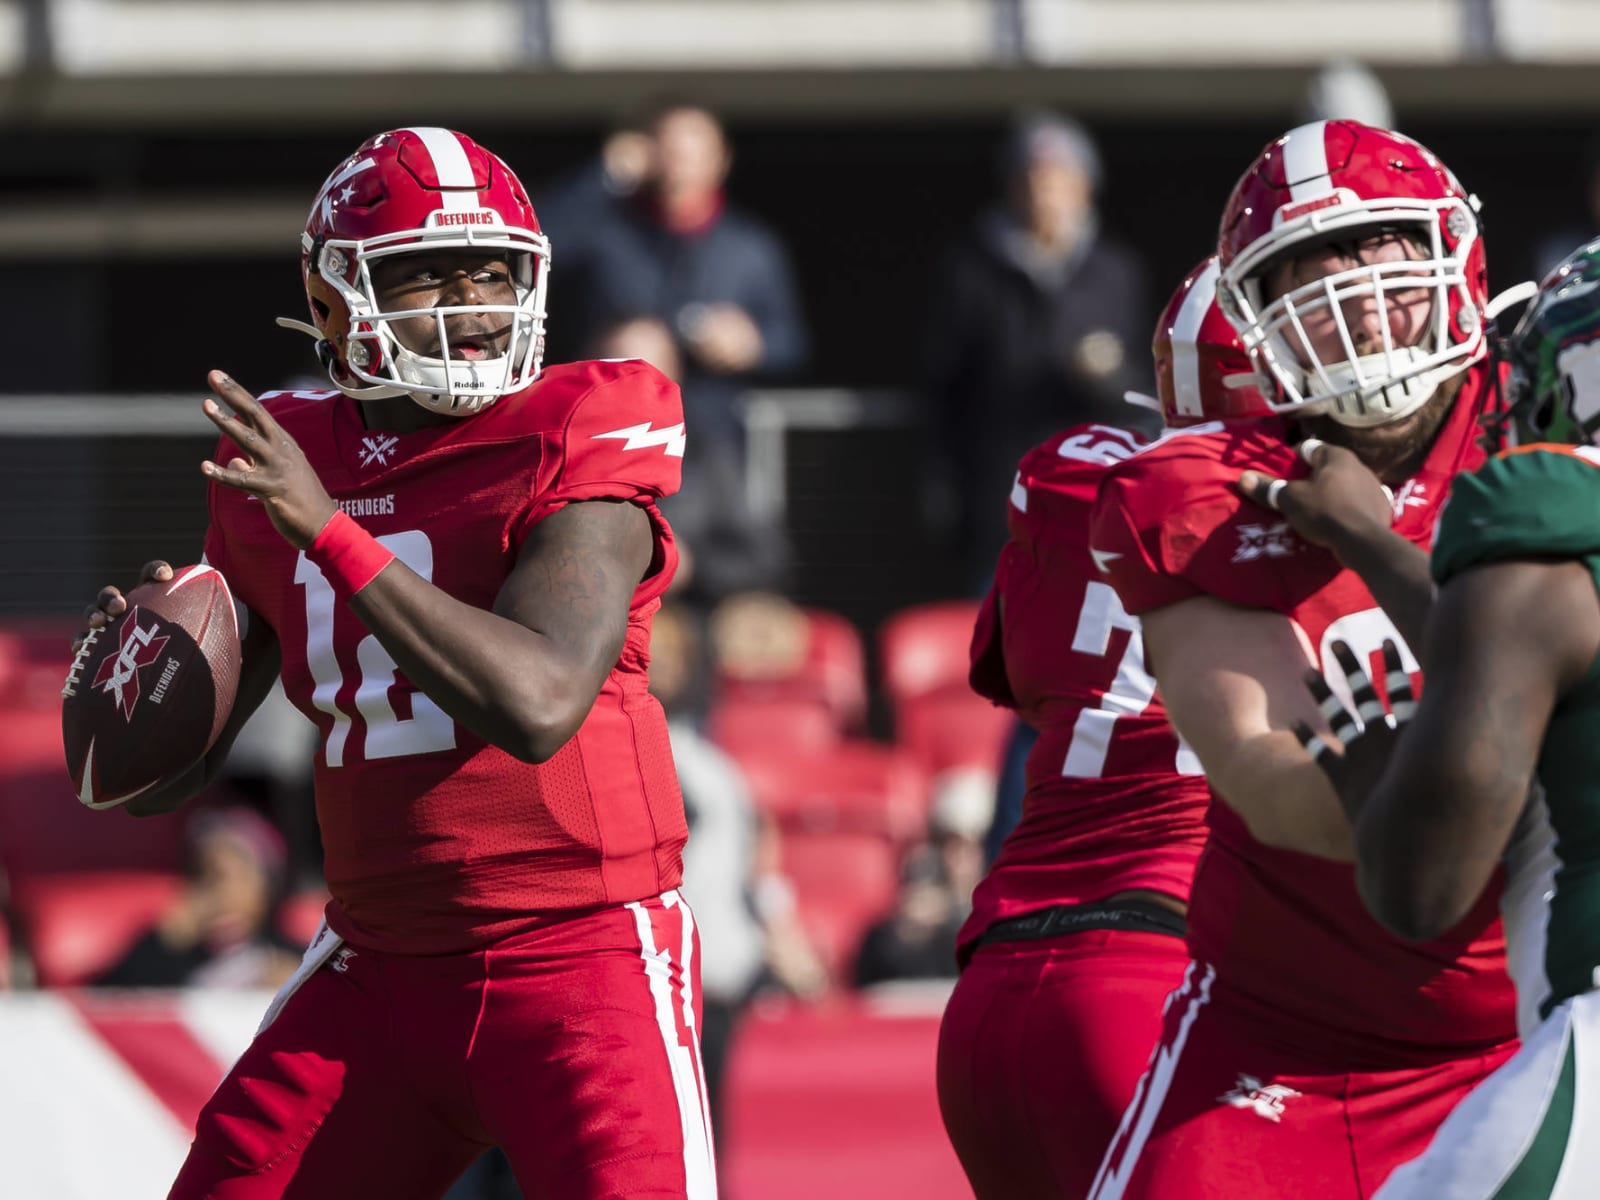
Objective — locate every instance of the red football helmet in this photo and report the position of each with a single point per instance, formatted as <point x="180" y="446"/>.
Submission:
<point x="1338" y="181"/>
<point x="1202" y="372"/>
<point x="400" y="192"/>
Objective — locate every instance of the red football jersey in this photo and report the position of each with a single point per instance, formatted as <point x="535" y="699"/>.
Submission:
<point x="435" y="840"/>
<point x="1287" y="932"/>
<point x="1114" y="800"/>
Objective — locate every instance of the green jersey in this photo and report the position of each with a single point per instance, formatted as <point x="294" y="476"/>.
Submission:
<point x="1543" y="502"/>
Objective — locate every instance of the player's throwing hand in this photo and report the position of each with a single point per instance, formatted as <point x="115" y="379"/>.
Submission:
<point x="1366" y="736"/>
<point x="276" y="471"/>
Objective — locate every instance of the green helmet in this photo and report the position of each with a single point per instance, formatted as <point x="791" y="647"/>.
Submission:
<point x="1554" y="388"/>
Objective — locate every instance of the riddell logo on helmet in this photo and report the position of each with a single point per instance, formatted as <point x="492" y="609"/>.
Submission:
<point x="476" y="216"/>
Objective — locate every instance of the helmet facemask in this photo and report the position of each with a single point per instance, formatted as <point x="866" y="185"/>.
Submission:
<point x="374" y="354"/>
<point x="1380" y="386"/>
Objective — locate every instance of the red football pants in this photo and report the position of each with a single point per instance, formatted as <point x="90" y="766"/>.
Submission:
<point x="1219" y="1115"/>
<point x="1039" y="1051"/>
<point x="572" y="1047"/>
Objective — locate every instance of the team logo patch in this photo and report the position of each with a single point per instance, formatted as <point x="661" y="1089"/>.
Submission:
<point x="645" y="435"/>
<point x="377" y="449"/>
<point x="1266" y="1101"/>
<point x="118" y="677"/>
<point x="1264" y="541"/>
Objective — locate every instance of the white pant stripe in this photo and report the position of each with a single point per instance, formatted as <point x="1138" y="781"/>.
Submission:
<point x="699" y="1175"/>
<point x="673" y="899"/>
<point x="1117" y="1168"/>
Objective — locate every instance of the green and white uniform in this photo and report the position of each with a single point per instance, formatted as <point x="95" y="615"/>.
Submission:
<point x="1531" y="1131"/>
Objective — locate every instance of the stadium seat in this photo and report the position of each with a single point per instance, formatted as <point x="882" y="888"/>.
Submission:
<point x="751" y="725"/>
<point x="77" y="924"/>
<point x="843" y="881"/>
<point x="857" y="786"/>
<point x="830" y="674"/>
<point x="937" y="716"/>
<point x="43" y="827"/>
<point x="301" y="913"/>
<point x="35" y="653"/>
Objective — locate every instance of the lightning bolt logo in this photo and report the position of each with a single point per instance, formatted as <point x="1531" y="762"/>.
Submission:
<point x="644" y="435"/>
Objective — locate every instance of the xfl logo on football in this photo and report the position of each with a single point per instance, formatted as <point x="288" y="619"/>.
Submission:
<point x="118" y="676"/>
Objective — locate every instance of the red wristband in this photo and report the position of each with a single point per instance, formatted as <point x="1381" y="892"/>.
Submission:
<point x="348" y="556"/>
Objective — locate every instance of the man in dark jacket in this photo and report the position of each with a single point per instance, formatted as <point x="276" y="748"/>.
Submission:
<point x="719" y="279"/>
<point x="1040" y="322"/>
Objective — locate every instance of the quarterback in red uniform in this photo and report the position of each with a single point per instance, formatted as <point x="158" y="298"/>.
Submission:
<point x="1309" y="1050"/>
<point x="1076" y="934"/>
<point x="453" y="561"/>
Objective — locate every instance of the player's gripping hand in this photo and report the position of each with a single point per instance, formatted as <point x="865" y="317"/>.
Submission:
<point x="1339" y="501"/>
<point x="276" y="471"/>
<point x="1367" y="736"/>
<point x="111" y="603"/>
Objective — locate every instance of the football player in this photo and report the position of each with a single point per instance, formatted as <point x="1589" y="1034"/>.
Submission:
<point x="1076" y="934"/>
<point x="1512" y="654"/>
<point x="453" y="560"/>
<point x="1310" y="1050"/>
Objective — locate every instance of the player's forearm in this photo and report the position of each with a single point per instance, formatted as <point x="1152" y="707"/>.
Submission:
<point x="512" y="686"/>
<point x="1396" y="573"/>
<point x="1282" y="797"/>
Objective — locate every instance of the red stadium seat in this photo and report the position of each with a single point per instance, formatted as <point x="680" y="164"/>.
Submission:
<point x="77" y="924"/>
<point x="843" y="882"/>
<point x="756" y="726"/>
<point x="832" y="674"/>
<point x="43" y="827"/>
<point x="954" y="727"/>
<point x="858" y="786"/>
<point x="301" y="913"/>
<point x="937" y="716"/>
<point x="35" y="653"/>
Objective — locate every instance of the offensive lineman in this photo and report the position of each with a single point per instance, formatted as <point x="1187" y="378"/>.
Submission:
<point x="453" y="561"/>
<point x="1076" y="933"/>
<point x="1512" y="651"/>
<point x="1310" y="1051"/>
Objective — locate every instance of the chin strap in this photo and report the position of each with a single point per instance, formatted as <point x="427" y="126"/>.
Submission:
<point x="325" y="357"/>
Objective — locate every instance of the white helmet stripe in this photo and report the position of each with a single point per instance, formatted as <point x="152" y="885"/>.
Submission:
<point x="1185" y="339"/>
<point x="1305" y="161"/>
<point x="450" y="165"/>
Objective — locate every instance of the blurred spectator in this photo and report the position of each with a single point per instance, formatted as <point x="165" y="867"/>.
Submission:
<point x="918" y="939"/>
<point x="270" y="765"/>
<point x="579" y="207"/>
<point x="732" y="549"/>
<point x="958" y="821"/>
<point x="219" y="932"/>
<point x="1345" y="90"/>
<point x="719" y="280"/>
<point x="1039" y="322"/>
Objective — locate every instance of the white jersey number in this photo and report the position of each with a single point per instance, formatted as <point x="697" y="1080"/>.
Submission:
<point x="389" y="735"/>
<point x="1130" y="692"/>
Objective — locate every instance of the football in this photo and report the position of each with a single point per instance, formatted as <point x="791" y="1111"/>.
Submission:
<point x="149" y="692"/>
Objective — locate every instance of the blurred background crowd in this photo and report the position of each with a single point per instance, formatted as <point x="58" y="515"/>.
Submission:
<point x="876" y="288"/>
